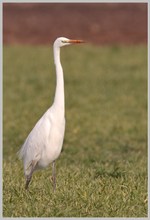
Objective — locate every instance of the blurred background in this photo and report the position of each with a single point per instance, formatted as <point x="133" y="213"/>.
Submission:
<point x="101" y="23"/>
<point x="102" y="171"/>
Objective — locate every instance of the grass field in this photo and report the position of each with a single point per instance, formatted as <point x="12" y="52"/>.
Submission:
<point x="102" y="170"/>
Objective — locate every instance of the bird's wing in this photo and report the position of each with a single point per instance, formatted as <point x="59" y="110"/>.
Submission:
<point x="32" y="148"/>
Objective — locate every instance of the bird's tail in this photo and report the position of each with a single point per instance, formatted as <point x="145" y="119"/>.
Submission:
<point x="21" y="152"/>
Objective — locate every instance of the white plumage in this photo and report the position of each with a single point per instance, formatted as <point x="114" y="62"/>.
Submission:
<point x="44" y="143"/>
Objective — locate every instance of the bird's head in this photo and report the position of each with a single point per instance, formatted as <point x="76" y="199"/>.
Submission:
<point x="63" y="41"/>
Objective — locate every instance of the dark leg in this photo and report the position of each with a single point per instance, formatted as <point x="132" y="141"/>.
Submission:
<point x="28" y="178"/>
<point x="54" y="175"/>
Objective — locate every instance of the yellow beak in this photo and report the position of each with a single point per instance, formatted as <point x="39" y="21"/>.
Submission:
<point x="75" y="41"/>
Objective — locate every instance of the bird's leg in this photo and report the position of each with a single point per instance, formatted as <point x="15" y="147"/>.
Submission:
<point x="28" y="177"/>
<point x="54" y="175"/>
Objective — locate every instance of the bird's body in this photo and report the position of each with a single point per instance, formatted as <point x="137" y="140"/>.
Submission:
<point x="44" y="143"/>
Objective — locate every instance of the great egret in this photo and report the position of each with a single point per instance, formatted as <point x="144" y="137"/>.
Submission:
<point x="44" y="143"/>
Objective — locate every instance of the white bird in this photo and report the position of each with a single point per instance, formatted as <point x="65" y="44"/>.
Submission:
<point x="44" y="143"/>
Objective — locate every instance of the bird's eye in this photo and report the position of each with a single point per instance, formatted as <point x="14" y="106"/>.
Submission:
<point x="63" y="41"/>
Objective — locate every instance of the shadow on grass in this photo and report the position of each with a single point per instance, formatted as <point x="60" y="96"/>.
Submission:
<point x="115" y="172"/>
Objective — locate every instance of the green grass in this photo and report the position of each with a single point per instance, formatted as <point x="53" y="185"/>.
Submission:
<point x="102" y="170"/>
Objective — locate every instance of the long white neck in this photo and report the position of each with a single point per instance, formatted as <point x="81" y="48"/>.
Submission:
<point x="59" y="101"/>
